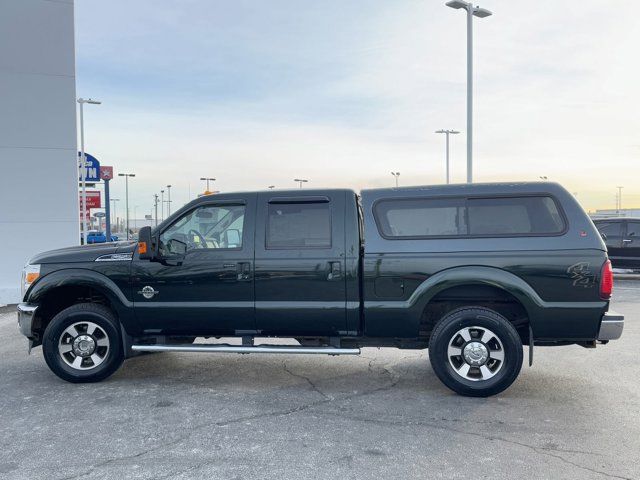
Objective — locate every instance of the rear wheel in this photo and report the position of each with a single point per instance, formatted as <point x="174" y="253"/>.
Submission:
<point x="475" y="352"/>
<point x="82" y="343"/>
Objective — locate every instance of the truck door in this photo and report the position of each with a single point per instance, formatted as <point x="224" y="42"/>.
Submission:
<point x="612" y="231"/>
<point x="300" y="264"/>
<point x="210" y="291"/>
<point x="631" y="244"/>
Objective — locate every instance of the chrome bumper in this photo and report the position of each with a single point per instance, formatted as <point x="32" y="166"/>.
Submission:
<point x="611" y="326"/>
<point x="26" y="311"/>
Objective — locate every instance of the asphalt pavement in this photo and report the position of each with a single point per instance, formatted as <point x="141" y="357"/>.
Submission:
<point x="384" y="414"/>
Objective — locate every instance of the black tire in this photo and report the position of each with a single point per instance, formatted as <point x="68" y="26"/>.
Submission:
<point x="444" y="366"/>
<point x="109" y="328"/>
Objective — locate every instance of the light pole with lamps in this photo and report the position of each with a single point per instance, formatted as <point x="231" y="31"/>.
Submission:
<point x="83" y="165"/>
<point x="447" y="133"/>
<point x="271" y="187"/>
<point x="208" y="179"/>
<point x="162" y="205"/>
<point x="619" y="198"/>
<point x="396" y="175"/>
<point x="126" y="201"/>
<point x="300" y="181"/>
<point x="480" y="13"/>
<point x="168" y="200"/>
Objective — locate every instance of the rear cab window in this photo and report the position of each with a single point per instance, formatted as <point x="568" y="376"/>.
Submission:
<point x="527" y="215"/>
<point x="298" y="225"/>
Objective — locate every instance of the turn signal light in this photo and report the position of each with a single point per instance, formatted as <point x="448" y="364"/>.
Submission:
<point x="142" y="247"/>
<point x="606" y="281"/>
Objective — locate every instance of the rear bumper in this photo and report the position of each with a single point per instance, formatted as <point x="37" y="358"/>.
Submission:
<point x="26" y="312"/>
<point x="611" y="326"/>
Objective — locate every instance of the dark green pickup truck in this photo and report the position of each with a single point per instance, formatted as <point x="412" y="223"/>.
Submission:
<point x="471" y="272"/>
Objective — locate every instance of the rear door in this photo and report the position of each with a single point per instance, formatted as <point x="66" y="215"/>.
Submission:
<point x="300" y="284"/>
<point x="631" y="244"/>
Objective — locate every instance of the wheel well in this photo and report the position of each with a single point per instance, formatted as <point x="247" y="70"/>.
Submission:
<point x="60" y="298"/>
<point x="487" y="296"/>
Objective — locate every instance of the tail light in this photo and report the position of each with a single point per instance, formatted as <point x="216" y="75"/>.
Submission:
<point x="606" y="281"/>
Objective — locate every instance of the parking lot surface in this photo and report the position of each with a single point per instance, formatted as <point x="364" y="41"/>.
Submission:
<point x="384" y="414"/>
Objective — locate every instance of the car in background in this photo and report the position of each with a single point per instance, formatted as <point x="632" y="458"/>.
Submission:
<point x="99" y="237"/>
<point x="622" y="237"/>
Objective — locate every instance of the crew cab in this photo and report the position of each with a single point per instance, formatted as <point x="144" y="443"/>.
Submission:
<point x="622" y="237"/>
<point x="472" y="272"/>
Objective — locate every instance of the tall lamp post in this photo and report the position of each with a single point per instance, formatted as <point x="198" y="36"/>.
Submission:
<point x="447" y="133"/>
<point x="300" y="181"/>
<point x="162" y="205"/>
<point x="169" y="200"/>
<point x="83" y="165"/>
<point x="155" y="204"/>
<point x="113" y="208"/>
<point x="480" y="13"/>
<point x="208" y="179"/>
<point x="396" y="175"/>
<point x="619" y="198"/>
<point x="126" y="201"/>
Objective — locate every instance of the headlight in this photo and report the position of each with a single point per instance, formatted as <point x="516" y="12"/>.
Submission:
<point x="30" y="274"/>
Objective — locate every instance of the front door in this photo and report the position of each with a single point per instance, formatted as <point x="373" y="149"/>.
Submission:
<point x="300" y="264"/>
<point x="208" y="290"/>
<point x="631" y="244"/>
<point x="612" y="234"/>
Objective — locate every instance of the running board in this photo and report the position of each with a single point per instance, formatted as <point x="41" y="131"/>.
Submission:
<point x="223" y="348"/>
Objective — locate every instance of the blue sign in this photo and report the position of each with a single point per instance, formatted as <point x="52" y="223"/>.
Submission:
<point x="92" y="168"/>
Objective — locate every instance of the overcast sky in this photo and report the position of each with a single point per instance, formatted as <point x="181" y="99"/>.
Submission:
<point x="256" y="93"/>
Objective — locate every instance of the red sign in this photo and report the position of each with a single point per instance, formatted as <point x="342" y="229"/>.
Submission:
<point x="106" y="173"/>
<point x="93" y="199"/>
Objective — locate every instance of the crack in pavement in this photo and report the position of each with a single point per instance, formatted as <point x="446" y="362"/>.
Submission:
<point x="307" y="379"/>
<point x="547" y="451"/>
<point x="193" y="431"/>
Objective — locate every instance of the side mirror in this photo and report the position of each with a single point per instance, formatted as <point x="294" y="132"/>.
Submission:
<point x="145" y="245"/>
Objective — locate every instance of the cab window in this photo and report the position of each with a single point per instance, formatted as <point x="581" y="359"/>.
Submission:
<point x="206" y="227"/>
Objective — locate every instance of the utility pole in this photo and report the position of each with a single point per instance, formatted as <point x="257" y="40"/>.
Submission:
<point x="447" y="133"/>
<point x="396" y="175"/>
<point x="480" y="13"/>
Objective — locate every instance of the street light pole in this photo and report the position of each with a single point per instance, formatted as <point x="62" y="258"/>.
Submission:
<point x="126" y="201"/>
<point x="480" y="13"/>
<point x="300" y="181"/>
<point x="619" y="203"/>
<point x="169" y="200"/>
<point x="208" y="179"/>
<point x="113" y="214"/>
<point x="447" y="133"/>
<point x="396" y="175"/>
<point x="162" y="205"/>
<point x="155" y="204"/>
<point x="83" y="166"/>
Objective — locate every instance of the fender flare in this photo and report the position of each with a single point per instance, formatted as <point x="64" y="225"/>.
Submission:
<point x="82" y="277"/>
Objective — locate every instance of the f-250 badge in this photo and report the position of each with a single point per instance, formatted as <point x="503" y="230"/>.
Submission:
<point x="581" y="275"/>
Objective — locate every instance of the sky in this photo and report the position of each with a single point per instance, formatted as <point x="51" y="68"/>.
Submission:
<point x="258" y="93"/>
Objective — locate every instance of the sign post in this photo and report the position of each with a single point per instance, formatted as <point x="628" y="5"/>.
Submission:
<point x="106" y="174"/>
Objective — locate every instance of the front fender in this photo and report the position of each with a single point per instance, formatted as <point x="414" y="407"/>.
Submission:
<point x="81" y="277"/>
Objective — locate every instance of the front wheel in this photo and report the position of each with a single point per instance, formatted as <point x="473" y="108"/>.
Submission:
<point x="82" y="343"/>
<point x="475" y="352"/>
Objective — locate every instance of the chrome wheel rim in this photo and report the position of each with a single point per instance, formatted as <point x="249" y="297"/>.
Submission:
<point x="83" y="345"/>
<point x="475" y="353"/>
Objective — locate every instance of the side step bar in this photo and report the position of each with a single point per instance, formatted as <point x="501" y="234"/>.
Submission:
<point x="223" y="348"/>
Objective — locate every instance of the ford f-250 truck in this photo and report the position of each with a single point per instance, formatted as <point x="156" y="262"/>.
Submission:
<point x="471" y="272"/>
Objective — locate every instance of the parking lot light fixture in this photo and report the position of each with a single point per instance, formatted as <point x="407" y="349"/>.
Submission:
<point x="447" y="133"/>
<point x="472" y="11"/>
<point x="126" y="201"/>
<point x="83" y="164"/>
<point x="300" y="181"/>
<point x="168" y="200"/>
<point x="396" y="175"/>
<point x="208" y="179"/>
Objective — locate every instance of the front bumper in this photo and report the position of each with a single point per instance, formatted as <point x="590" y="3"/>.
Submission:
<point x="611" y="326"/>
<point x="26" y="312"/>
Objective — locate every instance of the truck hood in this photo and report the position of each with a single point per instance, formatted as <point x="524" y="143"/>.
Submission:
<point x="83" y="253"/>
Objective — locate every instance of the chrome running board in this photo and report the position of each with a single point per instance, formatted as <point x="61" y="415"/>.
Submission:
<point x="223" y="348"/>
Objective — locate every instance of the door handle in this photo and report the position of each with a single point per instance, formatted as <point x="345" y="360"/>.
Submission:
<point x="335" y="271"/>
<point x="244" y="271"/>
<point x="627" y="240"/>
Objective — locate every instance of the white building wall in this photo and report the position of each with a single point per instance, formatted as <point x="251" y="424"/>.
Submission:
<point x="38" y="172"/>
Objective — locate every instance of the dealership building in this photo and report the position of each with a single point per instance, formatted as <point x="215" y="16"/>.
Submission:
<point x="38" y="149"/>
